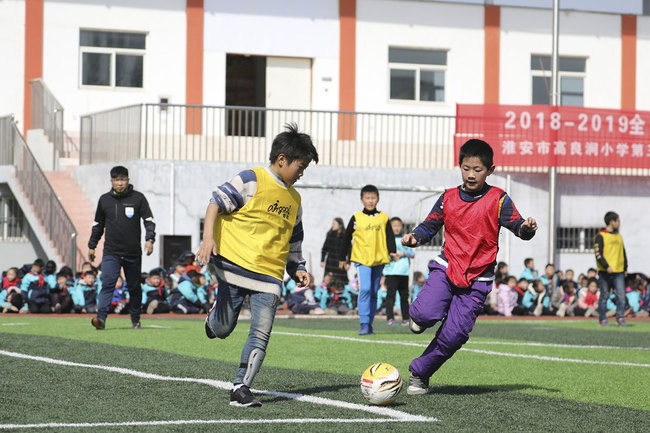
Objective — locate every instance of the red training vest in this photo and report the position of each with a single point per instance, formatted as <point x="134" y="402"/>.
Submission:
<point x="471" y="234"/>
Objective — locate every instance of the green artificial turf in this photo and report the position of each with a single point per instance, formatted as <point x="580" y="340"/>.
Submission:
<point x="473" y="391"/>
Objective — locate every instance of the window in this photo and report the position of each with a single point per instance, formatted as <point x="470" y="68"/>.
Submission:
<point x="112" y="59"/>
<point x="417" y="75"/>
<point x="571" y="71"/>
<point x="434" y="244"/>
<point x="13" y="225"/>
<point x="576" y="239"/>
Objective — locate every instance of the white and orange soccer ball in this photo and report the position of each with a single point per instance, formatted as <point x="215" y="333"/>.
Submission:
<point x="381" y="383"/>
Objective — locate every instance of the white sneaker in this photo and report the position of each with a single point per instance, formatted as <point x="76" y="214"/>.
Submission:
<point x="417" y="385"/>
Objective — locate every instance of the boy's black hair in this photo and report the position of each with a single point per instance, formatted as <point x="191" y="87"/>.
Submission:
<point x="67" y="271"/>
<point x="510" y="277"/>
<point x="479" y="149"/>
<point x="417" y="275"/>
<point x="119" y="171"/>
<point x="39" y="263"/>
<point x="521" y="279"/>
<point x="50" y="267"/>
<point x="90" y="272"/>
<point x="397" y="219"/>
<point x="369" y="189"/>
<point x="528" y="260"/>
<point x="192" y="273"/>
<point x="293" y="145"/>
<point x="590" y="280"/>
<point x="610" y="216"/>
<point x="154" y="272"/>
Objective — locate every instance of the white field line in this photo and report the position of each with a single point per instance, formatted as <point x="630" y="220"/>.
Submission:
<point x="486" y="352"/>
<point x="376" y="410"/>
<point x="13" y="324"/>
<point x="201" y="421"/>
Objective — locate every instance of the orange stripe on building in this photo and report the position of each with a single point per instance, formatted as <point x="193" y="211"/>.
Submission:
<point x="628" y="62"/>
<point x="194" y="65"/>
<point x="492" y="51"/>
<point x="33" y="54"/>
<point x="347" y="67"/>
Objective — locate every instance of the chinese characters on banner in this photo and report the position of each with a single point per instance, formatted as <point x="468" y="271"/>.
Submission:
<point x="546" y="136"/>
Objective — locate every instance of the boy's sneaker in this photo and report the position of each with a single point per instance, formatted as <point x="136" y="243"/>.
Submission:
<point x="417" y="385"/>
<point x="152" y="306"/>
<point x="621" y="322"/>
<point x="405" y="323"/>
<point x="243" y="397"/>
<point x="415" y="328"/>
<point x="603" y="323"/>
<point x="98" y="323"/>
<point x="391" y="322"/>
<point x="365" y="329"/>
<point x="208" y="330"/>
<point x="136" y="325"/>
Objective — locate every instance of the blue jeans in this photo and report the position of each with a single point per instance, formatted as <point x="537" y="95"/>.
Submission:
<point x="606" y="282"/>
<point x="369" y="279"/>
<point x="111" y="267"/>
<point x="223" y="318"/>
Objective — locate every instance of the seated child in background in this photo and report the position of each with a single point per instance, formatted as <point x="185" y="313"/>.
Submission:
<point x="11" y="300"/>
<point x="418" y="282"/>
<point x="521" y="288"/>
<point x="301" y="299"/>
<point x="507" y="296"/>
<point x="339" y="297"/>
<point x="588" y="300"/>
<point x="186" y="298"/>
<point x="36" y="290"/>
<point x="535" y="301"/>
<point x="635" y="299"/>
<point x="84" y="294"/>
<point x="564" y="300"/>
<point x="321" y="292"/>
<point x="61" y="295"/>
<point x="154" y="294"/>
<point x="120" y="298"/>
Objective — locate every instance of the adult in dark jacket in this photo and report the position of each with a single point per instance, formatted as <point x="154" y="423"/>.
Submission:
<point x="333" y="252"/>
<point x="119" y="212"/>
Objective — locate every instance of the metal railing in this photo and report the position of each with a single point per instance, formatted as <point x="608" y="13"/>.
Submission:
<point x="244" y="134"/>
<point x="39" y="193"/>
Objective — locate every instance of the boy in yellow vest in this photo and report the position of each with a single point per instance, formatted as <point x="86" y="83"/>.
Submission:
<point x="374" y="244"/>
<point x="612" y="266"/>
<point x="253" y="232"/>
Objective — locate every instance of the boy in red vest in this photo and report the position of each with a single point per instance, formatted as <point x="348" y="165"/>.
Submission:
<point x="461" y="277"/>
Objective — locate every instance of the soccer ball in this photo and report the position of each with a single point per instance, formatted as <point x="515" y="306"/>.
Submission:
<point x="381" y="383"/>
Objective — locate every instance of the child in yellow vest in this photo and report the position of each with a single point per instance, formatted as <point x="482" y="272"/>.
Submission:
<point x="253" y="232"/>
<point x="374" y="244"/>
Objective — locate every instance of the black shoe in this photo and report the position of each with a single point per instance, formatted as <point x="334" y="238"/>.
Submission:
<point x="243" y="397"/>
<point x="136" y="325"/>
<point x="98" y="323"/>
<point x="208" y="330"/>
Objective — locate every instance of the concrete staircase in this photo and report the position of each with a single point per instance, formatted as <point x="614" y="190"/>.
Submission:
<point x="80" y="210"/>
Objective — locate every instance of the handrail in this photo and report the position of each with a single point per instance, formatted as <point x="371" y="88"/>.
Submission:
<point x="38" y="192"/>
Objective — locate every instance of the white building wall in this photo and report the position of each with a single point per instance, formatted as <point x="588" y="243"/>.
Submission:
<point x="273" y="28"/>
<point x="454" y="27"/>
<point x="642" y="63"/>
<point x="164" y="62"/>
<point x="12" y="58"/>
<point x="594" y="36"/>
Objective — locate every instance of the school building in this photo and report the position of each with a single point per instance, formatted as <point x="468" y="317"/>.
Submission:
<point x="186" y="93"/>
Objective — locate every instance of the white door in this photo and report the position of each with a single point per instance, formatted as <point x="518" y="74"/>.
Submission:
<point x="288" y="83"/>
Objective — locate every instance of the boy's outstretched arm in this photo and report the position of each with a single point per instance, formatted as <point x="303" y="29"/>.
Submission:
<point x="207" y="245"/>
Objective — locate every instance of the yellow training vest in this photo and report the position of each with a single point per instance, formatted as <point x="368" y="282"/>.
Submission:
<point x="256" y="237"/>
<point x="612" y="251"/>
<point x="369" y="247"/>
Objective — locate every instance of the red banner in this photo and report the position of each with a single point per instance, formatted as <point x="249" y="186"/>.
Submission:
<point x="546" y="136"/>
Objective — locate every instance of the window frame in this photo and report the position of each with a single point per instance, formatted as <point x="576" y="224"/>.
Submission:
<point x="584" y="239"/>
<point x="7" y="205"/>
<point x="561" y="75"/>
<point x="114" y="52"/>
<point x="418" y="67"/>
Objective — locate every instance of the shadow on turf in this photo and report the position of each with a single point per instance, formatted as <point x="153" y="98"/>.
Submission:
<point x="477" y="390"/>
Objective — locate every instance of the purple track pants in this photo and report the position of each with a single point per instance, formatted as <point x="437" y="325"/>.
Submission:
<point x="458" y="309"/>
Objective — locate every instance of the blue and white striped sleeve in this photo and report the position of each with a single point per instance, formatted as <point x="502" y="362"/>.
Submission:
<point x="295" y="261"/>
<point x="234" y="194"/>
